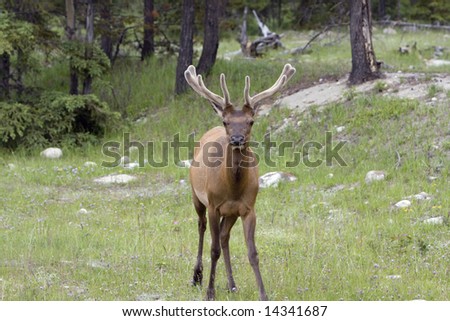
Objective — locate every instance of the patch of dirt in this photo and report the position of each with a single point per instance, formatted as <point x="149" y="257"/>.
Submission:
<point x="402" y="85"/>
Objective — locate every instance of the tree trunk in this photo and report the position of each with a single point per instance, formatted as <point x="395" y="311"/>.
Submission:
<point x="148" y="47"/>
<point x="186" y="45"/>
<point x="21" y="63"/>
<point x="5" y="70"/>
<point x="106" y="42"/>
<point x="381" y="9"/>
<point x="243" y="39"/>
<point x="70" y="34"/>
<point x="89" y="43"/>
<point x="364" y="64"/>
<point x="210" y="37"/>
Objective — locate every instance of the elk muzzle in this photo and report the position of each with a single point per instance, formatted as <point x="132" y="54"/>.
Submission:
<point x="237" y="140"/>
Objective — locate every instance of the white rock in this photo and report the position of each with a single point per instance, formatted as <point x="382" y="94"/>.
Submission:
<point x="141" y="120"/>
<point x="274" y="178"/>
<point x="340" y="129"/>
<point x="403" y="204"/>
<point x="393" y="277"/>
<point x="12" y="166"/>
<point x="52" y="153"/>
<point x="90" y="164"/>
<point x="115" y="179"/>
<point x="185" y="163"/>
<point x="373" y="176"/>
<point x="131" y="165"/>
<point x="82" y="211"/>
<point x="422" y="196"/>
<point x="437" y="62"/>
<point x="124" y="160"/>
<point x="434" y="220"/>
<point x="133" y="149"/>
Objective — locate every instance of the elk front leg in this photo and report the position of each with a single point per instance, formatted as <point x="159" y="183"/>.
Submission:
<point x="249" y="232"/>
<point x="214" y="228"/>
<point x="201" y="211"/>
<point x="225" y="227"/>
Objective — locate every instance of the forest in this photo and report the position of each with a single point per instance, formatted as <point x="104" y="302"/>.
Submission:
<point x="81" y="43"/>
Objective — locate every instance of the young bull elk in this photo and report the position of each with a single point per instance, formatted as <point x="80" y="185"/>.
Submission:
<point x="224" y="176"/>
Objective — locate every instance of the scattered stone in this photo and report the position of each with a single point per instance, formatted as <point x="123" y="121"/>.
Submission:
<point x="432" y="178"/>
<point x="11" y="166"/>
<point x="422" y="196"/>
<point x="404" y="50"/>
<point x="403" y="204"/>
<point x="124" y="160"/>
<point x="434" y="220"/>
<point x="185" y="163"/>
<point x="133" y="149"/>
<point x="330" y="175"/>
<point x="340" y="129"/>
<point x="142" y="120"/>
<point x="90" y="164"/>
<point x="115" y="179"/>
<point x="274" y="178"/>
<point x="131" y="165"/>
<point x="52" y="153"/>
<point x="373" y="176"/>
<point x="393" y="277"/>
<point x="437" y="62"/>
<point x="83" y="211"/>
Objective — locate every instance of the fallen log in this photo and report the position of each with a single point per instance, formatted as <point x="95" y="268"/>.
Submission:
<point x="412" y="25"/>
<point x="269" y="40"/>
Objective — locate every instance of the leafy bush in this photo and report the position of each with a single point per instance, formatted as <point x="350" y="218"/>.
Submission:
<point x="55" y="118"/>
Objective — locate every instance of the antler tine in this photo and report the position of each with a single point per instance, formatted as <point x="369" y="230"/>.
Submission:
<point x="226" y="93"/>
<point x="196" y="82"/>
<point x="286" y="74"/>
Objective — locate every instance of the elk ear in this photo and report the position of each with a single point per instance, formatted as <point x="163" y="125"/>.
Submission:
<point x="249" y="109"/>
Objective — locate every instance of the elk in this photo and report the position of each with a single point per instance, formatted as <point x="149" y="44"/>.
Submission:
<point x="224" y="176"/>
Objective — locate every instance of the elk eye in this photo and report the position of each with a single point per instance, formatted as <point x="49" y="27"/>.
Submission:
<point x="251" y="122"/>
<point x="225" y="123"/>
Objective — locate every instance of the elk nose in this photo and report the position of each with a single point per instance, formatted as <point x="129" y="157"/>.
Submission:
<point x="237" y="140"/>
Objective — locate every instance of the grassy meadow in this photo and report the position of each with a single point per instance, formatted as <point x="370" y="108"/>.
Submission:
<point x="326" y="236"/>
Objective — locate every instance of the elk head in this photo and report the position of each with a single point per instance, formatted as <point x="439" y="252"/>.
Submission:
<point x="237" y="122"/>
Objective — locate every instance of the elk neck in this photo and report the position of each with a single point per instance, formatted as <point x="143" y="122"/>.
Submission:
<point x="237" y="166"/>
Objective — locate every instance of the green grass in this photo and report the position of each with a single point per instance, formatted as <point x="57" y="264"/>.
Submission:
<point x="322" y="237"/>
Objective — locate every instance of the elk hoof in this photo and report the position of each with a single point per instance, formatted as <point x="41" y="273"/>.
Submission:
<point x="197" y="279"/>
<point x="210" y="295"/>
